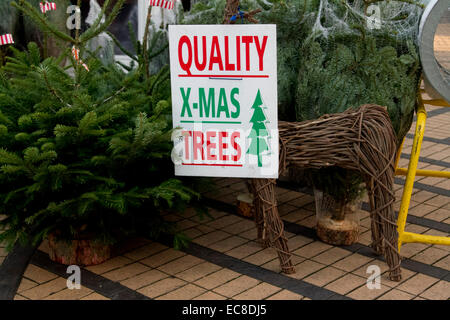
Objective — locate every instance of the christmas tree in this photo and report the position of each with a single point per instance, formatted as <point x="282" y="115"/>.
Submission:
<point x="330" y="59"/>
<point x="86" y="153"/>
<point x="259" y="135"/>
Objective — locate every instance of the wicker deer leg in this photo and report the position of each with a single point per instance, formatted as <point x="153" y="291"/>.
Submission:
<point x="258" y="214"/>
<point x="375" y="223"/>
<point x="376" y="152"/>
<point x="273" y="229"/>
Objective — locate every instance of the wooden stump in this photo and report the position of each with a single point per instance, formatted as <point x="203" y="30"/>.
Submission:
<point x="338" y="233"/>
<point x="83" y="252"/>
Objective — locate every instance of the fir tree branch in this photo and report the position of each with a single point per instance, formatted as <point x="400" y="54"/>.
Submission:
<point x="121" y="47"/>
<point x="91" y="32"/>
<point x="34" y="14"/>
<point x="53" y="91"/>
<point x="110" y="97"/>
<point x="100" y="16"/>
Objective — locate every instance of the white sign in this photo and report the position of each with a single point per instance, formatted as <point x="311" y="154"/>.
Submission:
<point x="224" y="100"/>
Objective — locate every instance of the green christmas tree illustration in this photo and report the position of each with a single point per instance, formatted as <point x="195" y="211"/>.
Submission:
<point x="259" y="135"/>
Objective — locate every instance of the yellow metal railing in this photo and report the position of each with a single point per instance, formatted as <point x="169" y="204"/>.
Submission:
<point x="411" y="173"/>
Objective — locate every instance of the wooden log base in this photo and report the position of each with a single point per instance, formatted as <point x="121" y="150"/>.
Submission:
<point x="79" y="252"/>
<point x="338" y="233"/>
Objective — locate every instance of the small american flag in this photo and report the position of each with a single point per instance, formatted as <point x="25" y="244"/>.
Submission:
<point x="167" y="4"/>
<point x="47" y="6"/>
<point x="6" y="39"/>
<point x="76" y="55"/>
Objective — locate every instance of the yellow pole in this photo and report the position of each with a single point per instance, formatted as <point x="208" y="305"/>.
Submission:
<point x="412" y="168"/>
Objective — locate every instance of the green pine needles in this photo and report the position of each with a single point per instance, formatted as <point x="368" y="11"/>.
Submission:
<point x="334" y="55"/>
<point x="86" y="153"/>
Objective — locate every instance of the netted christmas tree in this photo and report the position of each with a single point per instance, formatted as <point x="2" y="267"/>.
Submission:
<point x="85" y="145"/>
<point x="334" y="55"/>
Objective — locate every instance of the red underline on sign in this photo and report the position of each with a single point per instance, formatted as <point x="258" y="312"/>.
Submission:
<point x="212" y="164"/>
<point x="223" y="75"/>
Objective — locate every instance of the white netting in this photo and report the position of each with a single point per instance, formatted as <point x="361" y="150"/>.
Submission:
<point x="399" y="19"/>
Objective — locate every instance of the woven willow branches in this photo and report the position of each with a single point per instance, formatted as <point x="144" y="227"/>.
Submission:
<point x="362" y="140"/>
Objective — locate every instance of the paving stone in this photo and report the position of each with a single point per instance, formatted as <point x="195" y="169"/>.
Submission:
<point x="262" y="256"/>
<point x="67" y="294"/>
<point x="298" y="241"/>
<point x="332" y="255"/>
<point x="284" y="195"/>
<point x="443" y="263"/>
<point x="421" y="210"/>
<point x="261" y="291"/>
<point x="324" y="276"/>
<point x="362" y="272"/>
<point x="312" y="249"/>
<point x="293" y="216"/>
<point x="94" y="296"/>
<point x="187" y="292"/>
<point x="162" y="287"/>
<point x="239" y="227"/>
<point x="145" y="251"/>
<point x="274" y="265"/>
<point x="244" y="250"/>
<point x="417" y="284"/>
<point x="3" y="252"/>
<point x="162" y="257"/>
<point x="109" y="265"/>
<point x="224" y="222"/>
<point x="144" y="279"/>
<point x="228" y="244"/>
<point x="126" y="272"/>
<point x="306" y="268"/>
<point x="406" y="274"/>
<point x="346" y="284"/>
<point x="217" y="278"/>
<point x="285" y="210"/>
<point x="352" y="262"/>
<point x="285" y="295"/>
<point x="249" y="234"/>
<point x="439" y="214"/>
<point x="439" y="291"/>
<point x="302" y="201"/>
<point x="430" y="255"/>
<point x="236" y="286"/>
<point x="210" y="238"/>
<point x="38" y="275"/>
<point x="410" y="249"/>
<point x="199" y="271"/>
<point x="210" y="296"/>
<point x="364" y="293"/>
<point x="193" y="233"/>
<point x="438" y="201"/>
<point x="180" y="264"/>
<point x="395" y="294"/>
<point x="46" y="289"/>
<point x="26" y="284"/>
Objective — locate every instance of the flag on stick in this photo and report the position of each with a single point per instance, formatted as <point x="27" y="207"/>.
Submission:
<point x="47" y="6"/>
<point x="6" y="39"/>
<point x="167" y="4"/>
<point x="76" y="55"/>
